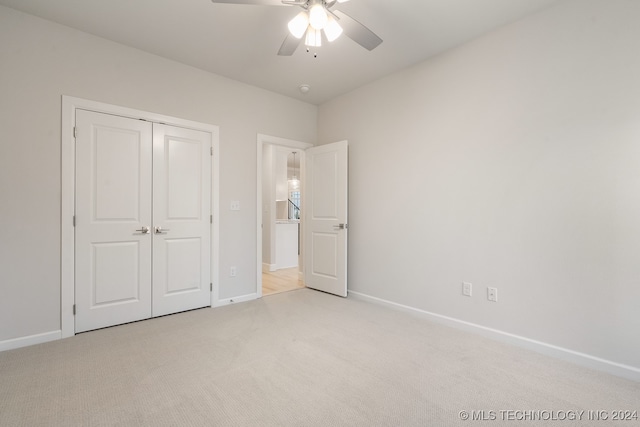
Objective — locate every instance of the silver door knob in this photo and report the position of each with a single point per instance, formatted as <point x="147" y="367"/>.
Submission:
<point x="340" y="226"/>
<point x="144" y="230"/>
<point x="160" y="230"/>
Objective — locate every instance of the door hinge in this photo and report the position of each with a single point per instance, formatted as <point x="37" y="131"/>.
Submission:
<point x="210" y="219"/>
<point x="74" y="220"/>
<point x="74" y="309"/>
<point x="75" y="132"/>
<point x="211" y="287"/>
<point x="211" y="150"/>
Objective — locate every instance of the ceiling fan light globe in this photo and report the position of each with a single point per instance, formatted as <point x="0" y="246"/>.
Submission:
<point x="332" y="30"/>
<point x="314" y="38"/>
<point x="298" y="25"/>
<point x="318" y="17"/>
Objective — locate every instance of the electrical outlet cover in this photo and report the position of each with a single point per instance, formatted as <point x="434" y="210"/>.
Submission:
<point x="467" y="289"/>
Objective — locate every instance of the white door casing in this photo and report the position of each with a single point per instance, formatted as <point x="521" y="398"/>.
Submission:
<point x="325" y="213"/>
<point x="181" y="219"/>
<point x="113" y="210"/>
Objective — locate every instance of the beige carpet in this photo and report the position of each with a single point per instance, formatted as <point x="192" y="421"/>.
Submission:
<point x="301" y="358"/>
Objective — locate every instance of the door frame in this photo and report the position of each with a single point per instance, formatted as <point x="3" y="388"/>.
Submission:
<point x="68" y="173"/>
<point x="281" y="142"/>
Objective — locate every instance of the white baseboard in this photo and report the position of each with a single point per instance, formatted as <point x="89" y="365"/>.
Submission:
<point x="30" y="340"/>
<point x="242" y="298"/>
<point x="266" y="268"/>
<point x="593" y="362"/>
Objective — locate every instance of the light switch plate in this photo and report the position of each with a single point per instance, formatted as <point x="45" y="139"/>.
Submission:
<point x="492" y="294"/>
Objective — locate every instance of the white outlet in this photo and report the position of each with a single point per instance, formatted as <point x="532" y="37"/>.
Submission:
<point x="492" y="294"/>
<point x="467" y="288"/>
<point x="235" y="205"/>
<point x="233" y="271"/>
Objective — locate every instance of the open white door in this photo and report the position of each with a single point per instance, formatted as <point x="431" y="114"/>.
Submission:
<point x="325" y="216"/>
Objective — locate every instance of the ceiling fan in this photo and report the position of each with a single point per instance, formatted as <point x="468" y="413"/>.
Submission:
<point x="317" y="16"/>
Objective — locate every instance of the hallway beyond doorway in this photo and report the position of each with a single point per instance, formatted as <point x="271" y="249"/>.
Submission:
<point x="282" y="280"/>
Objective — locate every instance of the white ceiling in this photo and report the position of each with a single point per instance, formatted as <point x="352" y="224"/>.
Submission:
<point x="241" y="41"/>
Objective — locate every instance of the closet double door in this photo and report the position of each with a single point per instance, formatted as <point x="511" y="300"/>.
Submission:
<point x="142" y="220"/>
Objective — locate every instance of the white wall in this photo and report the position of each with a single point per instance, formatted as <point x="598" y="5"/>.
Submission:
<point x="41" y="61"/>
<point x="514" y="162"/>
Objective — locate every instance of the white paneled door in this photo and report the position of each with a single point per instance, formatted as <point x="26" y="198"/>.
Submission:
<point x="142" y="220"/>
<point x="181" y="219"/>
<point x="326" y="218"/>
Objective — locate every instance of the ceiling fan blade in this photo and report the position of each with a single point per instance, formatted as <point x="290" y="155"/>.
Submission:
<point x="258" y="2"/>
<point x="357" y="32"/>
<point x="289" y="45"/>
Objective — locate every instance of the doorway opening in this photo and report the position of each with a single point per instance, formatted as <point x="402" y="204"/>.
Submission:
<point x="281" y="272"/>
<point x="283" y="280"/>
<point x="280" y="214"/>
